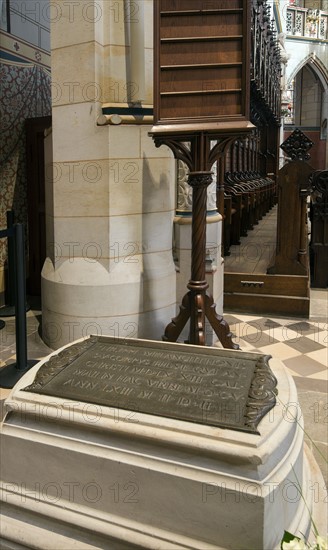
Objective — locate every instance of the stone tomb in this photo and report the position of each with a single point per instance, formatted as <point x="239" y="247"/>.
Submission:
<point x="114" y="443"/>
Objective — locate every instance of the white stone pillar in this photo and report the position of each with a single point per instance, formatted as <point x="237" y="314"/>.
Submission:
<point x="111" y="199"/>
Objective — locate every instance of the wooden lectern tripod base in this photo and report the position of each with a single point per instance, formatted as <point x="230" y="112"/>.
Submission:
<point x="196" y="307"/>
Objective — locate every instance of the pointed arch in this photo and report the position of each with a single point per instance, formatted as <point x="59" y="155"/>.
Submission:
<point x="317" y="67"/>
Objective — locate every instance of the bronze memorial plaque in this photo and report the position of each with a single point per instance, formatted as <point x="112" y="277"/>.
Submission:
<point x="208" y="385"/>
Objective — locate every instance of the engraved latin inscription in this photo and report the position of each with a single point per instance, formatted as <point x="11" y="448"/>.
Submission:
<point x="181" y="380"/>
<point x="199" y="387"/>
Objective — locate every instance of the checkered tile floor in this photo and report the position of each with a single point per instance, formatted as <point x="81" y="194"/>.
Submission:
<point x="301" y="345"/>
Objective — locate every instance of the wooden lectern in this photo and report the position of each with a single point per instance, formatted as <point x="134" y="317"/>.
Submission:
<point x="201" y="105"/>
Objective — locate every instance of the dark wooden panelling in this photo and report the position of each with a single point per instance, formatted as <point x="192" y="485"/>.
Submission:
<point x="214" y="51"/>
<point x="195" y="26"/>
<point x="201" y="105"/>
<point x="202" y="78"/>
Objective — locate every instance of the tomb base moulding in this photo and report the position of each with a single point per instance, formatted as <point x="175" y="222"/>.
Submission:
<point x="80" y="473"/>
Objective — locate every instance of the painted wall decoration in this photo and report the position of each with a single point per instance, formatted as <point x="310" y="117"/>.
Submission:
<point x="25" y="92"/>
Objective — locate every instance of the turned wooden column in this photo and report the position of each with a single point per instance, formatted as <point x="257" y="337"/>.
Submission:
<point x="199" y="181"/>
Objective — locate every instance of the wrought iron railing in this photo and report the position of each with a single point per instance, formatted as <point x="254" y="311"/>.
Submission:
<point x="306" y="22"/>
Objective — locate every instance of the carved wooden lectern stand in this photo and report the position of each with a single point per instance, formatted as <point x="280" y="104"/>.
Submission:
<point x="197" y="304"/>
<point x="201" y="105"/>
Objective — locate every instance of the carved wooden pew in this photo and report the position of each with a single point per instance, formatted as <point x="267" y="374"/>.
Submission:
<point x="228" y="220"/>
<point x="249" y="192"/>
<point x="246" y="192"/>
<point x="252" y="197"/>
<point x="238" y="204"/>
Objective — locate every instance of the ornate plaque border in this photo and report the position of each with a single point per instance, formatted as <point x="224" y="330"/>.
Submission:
<point x="260" y="400"/>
